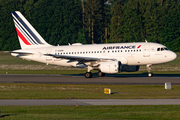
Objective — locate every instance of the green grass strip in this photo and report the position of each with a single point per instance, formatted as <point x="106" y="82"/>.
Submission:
<point x="140" y="112"/>
<point x="86" y="91"/>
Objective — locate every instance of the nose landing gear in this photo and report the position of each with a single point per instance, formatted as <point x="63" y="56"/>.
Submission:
<point x="149" y="70"/>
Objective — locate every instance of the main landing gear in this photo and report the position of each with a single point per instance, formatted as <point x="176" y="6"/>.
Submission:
<point x="88" y="74"/>
<point x="149" y="70"/>
<point x="100" y="74"/>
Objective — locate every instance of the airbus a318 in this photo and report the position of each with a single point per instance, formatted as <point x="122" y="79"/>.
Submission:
<point x="106" y="58"/>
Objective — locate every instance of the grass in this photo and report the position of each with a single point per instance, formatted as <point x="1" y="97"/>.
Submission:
<point x="140" y="112"/>
<point x="88" y="91"/>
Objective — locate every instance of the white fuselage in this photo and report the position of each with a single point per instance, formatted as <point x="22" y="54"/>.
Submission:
<point x="141" y="53"/>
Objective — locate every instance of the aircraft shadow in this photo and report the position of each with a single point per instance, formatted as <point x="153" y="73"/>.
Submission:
<point x="129" y="75"/>
<point x="6" y="115"/>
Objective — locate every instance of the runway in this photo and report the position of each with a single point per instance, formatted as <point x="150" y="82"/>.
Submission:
<point x="82" y="102"/>
<point x="79" y="79"/>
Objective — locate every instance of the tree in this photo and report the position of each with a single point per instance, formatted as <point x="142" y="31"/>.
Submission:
<point x="8" y="37"/>
<point x="94" y="20"/>
<point x="58" y="21"/>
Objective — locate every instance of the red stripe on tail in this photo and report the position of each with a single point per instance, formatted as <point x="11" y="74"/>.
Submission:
<point x="22" y="37"/>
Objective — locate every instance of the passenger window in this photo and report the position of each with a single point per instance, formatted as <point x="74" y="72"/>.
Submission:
<point x="162" y="49"/>
<point x="158" y="49"/>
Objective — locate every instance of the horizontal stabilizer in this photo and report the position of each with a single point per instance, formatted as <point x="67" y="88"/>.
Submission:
<point x="22" y="53"/>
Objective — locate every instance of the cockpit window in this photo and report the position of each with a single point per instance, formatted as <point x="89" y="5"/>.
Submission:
<point x="162" y="49"/>
<point x="166" y="48"/>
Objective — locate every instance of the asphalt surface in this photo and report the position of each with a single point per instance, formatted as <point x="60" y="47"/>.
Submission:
<point x="79" y="79"/>
<point x="74" y="102"/>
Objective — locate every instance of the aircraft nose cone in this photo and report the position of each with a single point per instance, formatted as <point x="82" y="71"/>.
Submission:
<point x="173" y="56"/>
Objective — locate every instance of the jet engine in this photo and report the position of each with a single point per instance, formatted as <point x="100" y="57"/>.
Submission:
<point x="127" y="68"/>
<point x="110" y="67"/>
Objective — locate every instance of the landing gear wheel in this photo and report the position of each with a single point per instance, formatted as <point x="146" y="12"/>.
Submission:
<point x="88" y="75"/>
<point x="100" y="74"/>
<point x="150" y="74"/>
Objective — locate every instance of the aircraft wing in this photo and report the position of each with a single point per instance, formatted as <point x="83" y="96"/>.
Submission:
<point x="79" y="58"/>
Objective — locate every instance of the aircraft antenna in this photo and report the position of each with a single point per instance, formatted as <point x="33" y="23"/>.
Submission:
<point x="145" y="40"/>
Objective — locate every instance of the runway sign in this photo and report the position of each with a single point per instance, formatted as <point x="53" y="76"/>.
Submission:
<point x="167" y="85"/>
<point x="107" y="91"/>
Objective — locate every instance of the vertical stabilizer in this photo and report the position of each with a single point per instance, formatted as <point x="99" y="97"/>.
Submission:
<point x="28" y="36"/>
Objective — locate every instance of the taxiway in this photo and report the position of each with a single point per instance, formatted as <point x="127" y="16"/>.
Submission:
<point x="78" y="79"/>
<point x="81" y="102"/>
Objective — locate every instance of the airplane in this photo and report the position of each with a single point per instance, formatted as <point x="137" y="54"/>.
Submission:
<point x="106" y="58"/>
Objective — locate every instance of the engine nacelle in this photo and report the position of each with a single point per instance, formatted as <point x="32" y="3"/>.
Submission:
<point x="130" y="68"/>
<point x="110" y="67"/>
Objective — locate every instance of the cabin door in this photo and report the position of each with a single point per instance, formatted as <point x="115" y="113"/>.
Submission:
<point x="146" y="51"/>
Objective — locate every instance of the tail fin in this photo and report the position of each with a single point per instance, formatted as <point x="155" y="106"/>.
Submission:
<point x="28" y="36"/>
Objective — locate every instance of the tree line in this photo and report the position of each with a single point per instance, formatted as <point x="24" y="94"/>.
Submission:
<point x="94" y="21"/>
